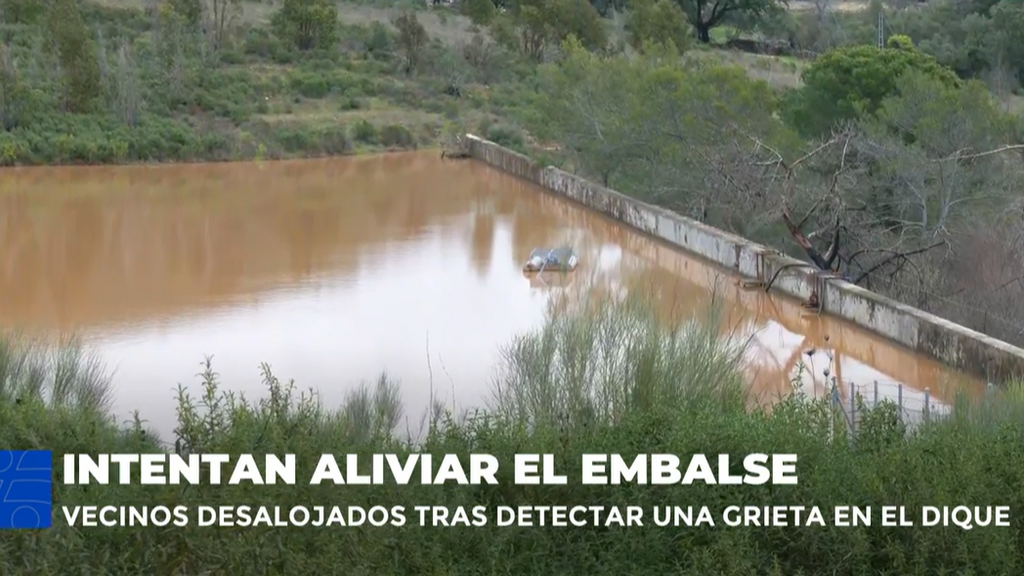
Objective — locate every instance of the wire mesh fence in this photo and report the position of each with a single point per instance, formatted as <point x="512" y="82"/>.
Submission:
<point x="913" y="406"/>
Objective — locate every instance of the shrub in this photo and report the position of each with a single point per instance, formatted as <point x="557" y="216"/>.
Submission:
<point x="307" y="24"/>
<point x="899" y="42"/>
<point x="544" y="24"/>
<point x="411" y="40"/>
<point x="190" y="10"/>
<point x="506" y="136"/>
<point x="261" y="43"/>
<point x="334" y="140"/>
<point x="350" y="104"/>
<point x="22" y="11"/>
<point x="480" y="12"/>
<point x="76" y="52"/>
<point x="378" y="43"/>
<point x="366" y="133"/>
<point x="231" y="57"/>
<point x="850" y="82"/>
<point x="657" y="21"/>
<point x="311" y="85"/>
<point x="396" y="136"/>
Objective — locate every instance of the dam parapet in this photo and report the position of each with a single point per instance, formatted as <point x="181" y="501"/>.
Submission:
<point x="956" y="346"/>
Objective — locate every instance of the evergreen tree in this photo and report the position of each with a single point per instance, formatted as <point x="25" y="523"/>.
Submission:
<point x="76" y="52"/>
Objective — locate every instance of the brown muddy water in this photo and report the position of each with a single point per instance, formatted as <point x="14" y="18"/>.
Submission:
<point x="335" y="270"/>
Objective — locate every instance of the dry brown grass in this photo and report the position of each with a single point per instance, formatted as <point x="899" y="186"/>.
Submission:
<point x="1013" y="103"/>
<point x="835" y="5"/>
<point x="441" y="23"/>
<point x="250" y="11"/>
<point x="326" y="110"/>
<point x="778" y="71"/>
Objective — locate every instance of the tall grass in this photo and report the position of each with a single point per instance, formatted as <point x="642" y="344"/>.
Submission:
<point x="610" y="360"/>
<point x="64" y="376"/>
<point x="608" y="378"/>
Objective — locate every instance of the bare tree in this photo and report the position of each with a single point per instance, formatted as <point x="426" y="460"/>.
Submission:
<point x="10" y="102"/>
<point x="127" y="87"/>
<point x="220" y="15"/>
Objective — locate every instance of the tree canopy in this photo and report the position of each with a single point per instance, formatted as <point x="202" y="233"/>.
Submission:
<point x="849" y="82"/>
<point x="649" y="124"/>
<point x="704" y="15"/>
<point x="659" y="21"/>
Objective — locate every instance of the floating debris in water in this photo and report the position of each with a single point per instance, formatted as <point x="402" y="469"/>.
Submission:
<point x="553" y="259"/>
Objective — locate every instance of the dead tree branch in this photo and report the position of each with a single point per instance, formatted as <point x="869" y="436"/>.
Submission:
<point x="822" y="262"/>
<point x="961" y="154"/>
<point x="903" y="257"/>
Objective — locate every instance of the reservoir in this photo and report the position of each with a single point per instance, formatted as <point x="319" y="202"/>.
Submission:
<point x="333" y="271"/>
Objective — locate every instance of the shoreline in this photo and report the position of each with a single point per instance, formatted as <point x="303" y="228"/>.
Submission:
<point x="357" y="153"/>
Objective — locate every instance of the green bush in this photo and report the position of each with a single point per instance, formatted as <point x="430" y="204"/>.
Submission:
<point x="350" y="84"/>
<point x="74" y="49"/>
<point x="117" y="22"/>
<point x="22" y="11"/>
<point x="307" y="24"/>
<point x="851" y="82"/>
<point x="311" y="86"/>
<point x="190" y="10"/>
<point x="366" y="133"/>
<point x="899" y="42"/>
<point x="261" y="43"/>
<point x="658" y="21"/>
<point x="228" y="93"/>
<point x="480" y="12"/>
<point x="310" y="83"/>
<point x="232" y="57"/>
<point x="506" y="136"/>
<point x="396" y="136"/>
<point x="94" y="139"/>
<point x="377" y="40"/>
<point x="334" y="140"/>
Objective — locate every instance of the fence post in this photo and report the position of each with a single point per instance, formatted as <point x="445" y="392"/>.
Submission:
<point x="834" y="402"/>
<point x="899" y="401"/>
<point x="876" y="392"/>
<point x="927" y="404"/>
<point x="853" y="407"/>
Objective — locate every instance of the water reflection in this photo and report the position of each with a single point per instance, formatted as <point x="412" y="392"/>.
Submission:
<point x="780" y="331"/>
<point x="334" y="270"/>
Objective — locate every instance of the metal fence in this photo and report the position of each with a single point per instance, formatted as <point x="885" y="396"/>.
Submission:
<point x="913" y="406"/>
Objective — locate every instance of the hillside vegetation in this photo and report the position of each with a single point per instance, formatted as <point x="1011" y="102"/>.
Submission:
<point x="897" y="168"/>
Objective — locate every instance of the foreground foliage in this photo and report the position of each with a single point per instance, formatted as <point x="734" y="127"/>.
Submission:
<point x="616" y="382"/>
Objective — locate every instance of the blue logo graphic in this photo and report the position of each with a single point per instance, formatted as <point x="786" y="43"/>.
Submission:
<point x="25" y="497"/>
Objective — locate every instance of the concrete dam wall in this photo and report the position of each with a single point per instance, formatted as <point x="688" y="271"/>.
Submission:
<point x="947" y="342"/>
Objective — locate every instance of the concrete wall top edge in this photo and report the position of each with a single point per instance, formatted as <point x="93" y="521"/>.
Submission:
<point x="666" y="213"/>
<point x="788" y="261"/>
<point x="922" y="315"/>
